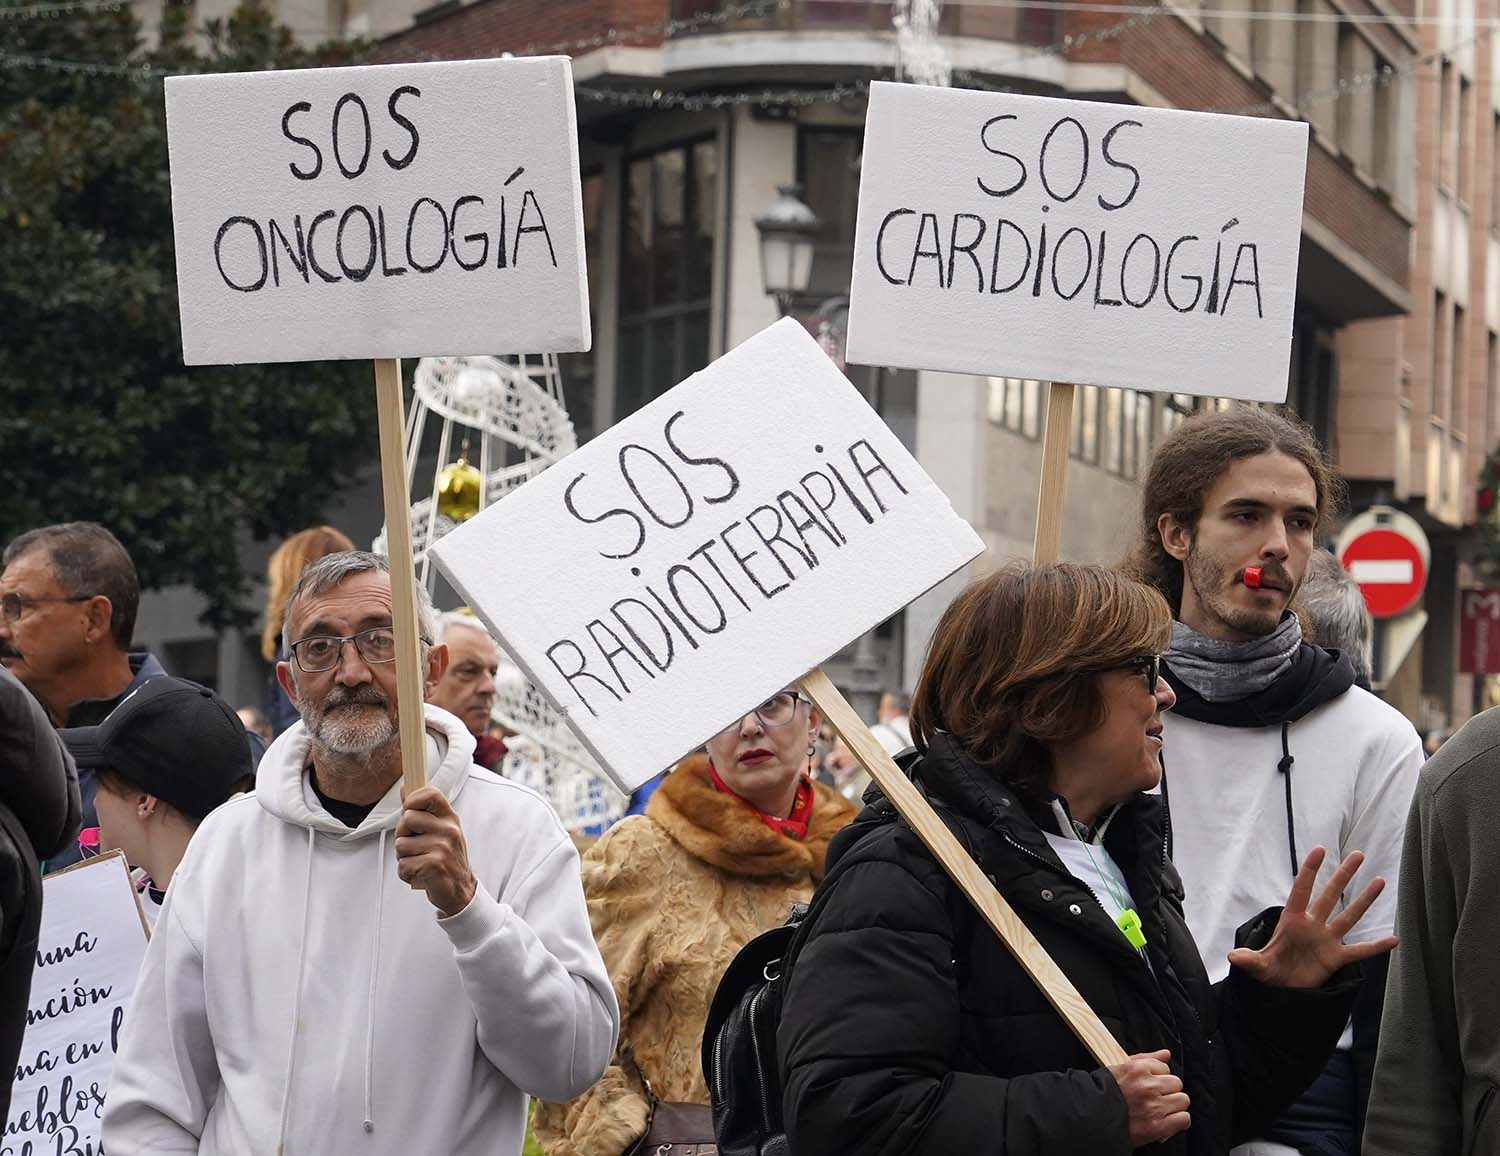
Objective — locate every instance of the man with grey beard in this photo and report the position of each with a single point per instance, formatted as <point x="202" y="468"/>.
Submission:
<point x="292" y="990"/>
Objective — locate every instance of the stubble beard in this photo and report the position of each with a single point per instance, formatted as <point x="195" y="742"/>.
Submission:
<point x="1211" y="582"/>
<point x="346" y="738"/>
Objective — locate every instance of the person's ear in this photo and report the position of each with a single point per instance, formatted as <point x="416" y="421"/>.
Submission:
<point x="145" y="805"/>
<point x="814" y="721"/>
<point x="97" y="611"/>
<point x="1176" y="538"/>
<point x="287" y="680"/>
<point x="437" y="666"/>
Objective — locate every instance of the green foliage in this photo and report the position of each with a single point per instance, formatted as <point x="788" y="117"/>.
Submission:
<point x="99" y="419"/>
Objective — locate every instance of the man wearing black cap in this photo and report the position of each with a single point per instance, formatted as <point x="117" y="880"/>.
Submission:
<point x="169" y="754"/>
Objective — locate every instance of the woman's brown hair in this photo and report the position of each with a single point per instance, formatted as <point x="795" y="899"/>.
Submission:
<point x="288" y="561"/>
<point x="1012" y="664"/>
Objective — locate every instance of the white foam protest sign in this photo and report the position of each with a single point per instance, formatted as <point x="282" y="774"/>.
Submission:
<point x="1077" y="241"/>
<point x="89" y="950"/>
<point x="707" y="551"/>
<point x="388" y="211"/>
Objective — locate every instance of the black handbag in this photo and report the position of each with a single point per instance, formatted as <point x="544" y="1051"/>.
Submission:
<point x="676" y="1129"/>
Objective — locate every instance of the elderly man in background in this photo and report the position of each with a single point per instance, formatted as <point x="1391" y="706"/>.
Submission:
<point x="68" y="600"/>
<point x="467" y="688"/>
<point x="308" y="1002"/>
<point x="1334" y="613"/>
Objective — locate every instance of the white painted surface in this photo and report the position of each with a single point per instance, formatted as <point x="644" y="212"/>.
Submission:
<point x="1371" y="572"/>
<point x="944" y="168"/>
<point x="677" y="592"/>
<point x="453" y="226"/>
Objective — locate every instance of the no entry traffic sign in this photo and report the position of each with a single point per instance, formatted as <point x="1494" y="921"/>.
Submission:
<point x="1386" y="553"/>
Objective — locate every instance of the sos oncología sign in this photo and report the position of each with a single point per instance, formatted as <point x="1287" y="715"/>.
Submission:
<point x="388" y="211"/>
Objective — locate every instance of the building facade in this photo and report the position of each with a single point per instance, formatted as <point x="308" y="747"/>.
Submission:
<point x="1422" y="415"/>
<point x="692" y="113"/>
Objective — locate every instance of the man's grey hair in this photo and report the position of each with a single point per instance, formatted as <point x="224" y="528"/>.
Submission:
<point x="332" y="569"/>
<point x="454" y="619"/>
<point x="88" y="560"/>
<point x="1333" y="610"/>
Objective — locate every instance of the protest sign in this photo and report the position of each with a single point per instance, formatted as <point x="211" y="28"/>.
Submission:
<point x="450" y="210"/>
<point x="707" y="551"/>
<point x="1077" y="241"/>
<point x="389" y="211"/>
<point x="89" y="950"/>
<point x="713" y="549"/>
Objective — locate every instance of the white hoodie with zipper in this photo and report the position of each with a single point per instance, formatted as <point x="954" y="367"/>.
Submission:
<point x="298" y="999"/>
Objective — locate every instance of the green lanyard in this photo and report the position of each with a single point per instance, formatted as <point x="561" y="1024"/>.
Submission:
<point x="1127" y="921"/>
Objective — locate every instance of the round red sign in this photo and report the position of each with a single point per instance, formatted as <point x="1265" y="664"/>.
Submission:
<point x="1389" y="569"/>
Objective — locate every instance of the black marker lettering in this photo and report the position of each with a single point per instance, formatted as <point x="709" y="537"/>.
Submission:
<point x="732" y="477"/>
<point x="411" y="152"/>
<point x="581" y="672"/>
<point x="286" y="131"/>
<point x="617" y="512"/>
<point x="984" y="140"/>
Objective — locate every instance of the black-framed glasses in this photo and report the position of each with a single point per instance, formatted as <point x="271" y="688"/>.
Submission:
<point x="321" y="652"/>
<point x="13" y="605"/>
<point x="1148" y="666"/>
<point x="776" y="711"/>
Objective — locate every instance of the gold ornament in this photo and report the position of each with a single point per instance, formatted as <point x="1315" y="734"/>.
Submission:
<point x="459" y="486"/>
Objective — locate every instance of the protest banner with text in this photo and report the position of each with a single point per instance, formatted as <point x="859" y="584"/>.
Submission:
<point x="1077" y="241"/>
<point x="389" y="211"/>
<point x="381" y="212"/>
<point x="89" y="950"/>
<point x="707" y="551"/>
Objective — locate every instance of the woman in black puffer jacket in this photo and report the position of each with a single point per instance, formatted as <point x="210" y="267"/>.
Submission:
<point x="909" y="1029"/>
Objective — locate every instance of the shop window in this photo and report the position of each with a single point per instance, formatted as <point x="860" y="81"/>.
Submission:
<point x="666" y="270"/>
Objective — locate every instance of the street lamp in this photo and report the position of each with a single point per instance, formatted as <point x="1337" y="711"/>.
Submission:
<point x="786" y="247"/>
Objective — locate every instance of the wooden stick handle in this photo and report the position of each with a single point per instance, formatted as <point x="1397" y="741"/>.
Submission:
<point x="403" y="584"/>
<point x="999" y="914"/>
<point x="1049" y="504"/>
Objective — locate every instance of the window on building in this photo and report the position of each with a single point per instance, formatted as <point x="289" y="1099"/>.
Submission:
<point x="828" y="167"/>
<point x="1176" y="408"/>
<point x="1491" y="391"/>
<point x="1084" y="442"/>
<point x="580" y="382"/>
<point x="1437" y="383"/>
<point x="666" y="269"/>
<point x="1016" y="405"/>
<point x="1446" y="134"/>
<point x="1457" y="411"/>
<point x="1464" y="154"/>
<point x="1354" y="114"/>
<point x="1387" y="133"/>
<point x="1495" y="172"/>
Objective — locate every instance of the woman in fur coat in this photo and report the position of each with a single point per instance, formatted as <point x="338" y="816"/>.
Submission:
<point x="729" y="842"/>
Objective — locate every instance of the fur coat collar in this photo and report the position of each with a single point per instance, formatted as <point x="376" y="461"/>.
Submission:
<point x="725" y="832"/>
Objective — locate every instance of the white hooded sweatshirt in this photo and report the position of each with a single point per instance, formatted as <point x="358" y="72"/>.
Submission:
<point x="298" y="999"/>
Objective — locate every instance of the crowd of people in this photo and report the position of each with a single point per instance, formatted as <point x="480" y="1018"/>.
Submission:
<point x="1173" y="769"/>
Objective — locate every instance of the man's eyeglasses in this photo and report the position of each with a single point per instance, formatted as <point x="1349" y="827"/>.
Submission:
<point x="1148" y="666"/>
<point x="321" y="652"/>
<point x="12" y="606"/>
<point x="776" y="711"/>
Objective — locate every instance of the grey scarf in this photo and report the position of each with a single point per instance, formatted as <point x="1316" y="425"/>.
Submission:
<point x="1228" y="671"/>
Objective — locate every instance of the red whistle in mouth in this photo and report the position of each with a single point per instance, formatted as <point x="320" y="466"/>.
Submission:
<point x="1252" y="577"/>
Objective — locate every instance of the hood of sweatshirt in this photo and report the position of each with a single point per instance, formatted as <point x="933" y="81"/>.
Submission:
<point x="283" y="788"/>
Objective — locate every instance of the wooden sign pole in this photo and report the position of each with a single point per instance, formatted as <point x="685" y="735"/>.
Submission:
<point x="1049" y="504"/>
<point x="403" y="583"/>
<point x="990" y="904"/>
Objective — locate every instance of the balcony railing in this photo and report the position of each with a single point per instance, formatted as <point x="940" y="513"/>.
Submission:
<point x="1017" y="25"/>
